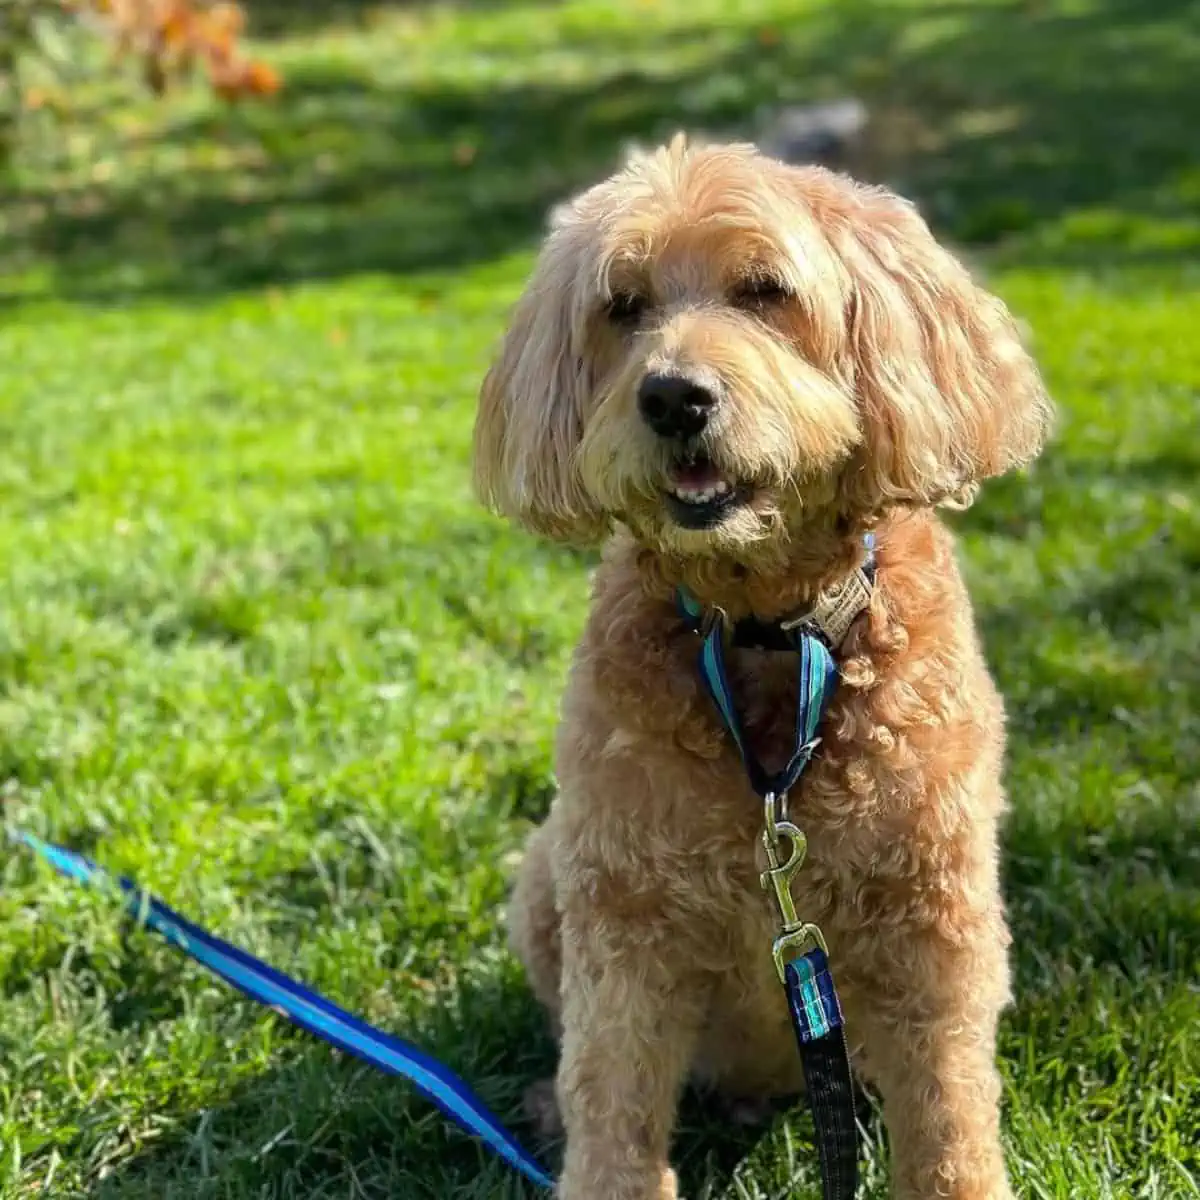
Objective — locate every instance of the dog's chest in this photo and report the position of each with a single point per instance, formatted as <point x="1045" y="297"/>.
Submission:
<point x="763" y="688"/>
<point x="660" y="707"/>
<point x="644" y="703"/>
<point x="765" y="685"/>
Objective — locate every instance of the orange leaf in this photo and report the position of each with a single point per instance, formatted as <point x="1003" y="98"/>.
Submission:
<point x="262" y="80"/>
<point x="175" y="28"/>
<point x="228" y="17"/>
<point x="215" y="38"/>
<point x="226" y="80"/>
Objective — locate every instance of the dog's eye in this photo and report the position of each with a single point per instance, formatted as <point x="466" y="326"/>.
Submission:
<point x="760" y="292"/>
<point x="626" y="308"/>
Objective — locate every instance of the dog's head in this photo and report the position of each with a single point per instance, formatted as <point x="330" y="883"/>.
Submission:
<point x="715" y="348"/>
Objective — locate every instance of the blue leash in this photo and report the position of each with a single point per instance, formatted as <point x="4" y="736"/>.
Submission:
<point x="800" y="953"/>
<point x="307" y="1009"/>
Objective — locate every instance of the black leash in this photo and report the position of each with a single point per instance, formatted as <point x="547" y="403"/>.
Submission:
<point x="801" y="956"/>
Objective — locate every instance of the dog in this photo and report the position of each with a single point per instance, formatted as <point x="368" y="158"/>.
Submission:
<point x="727" y="371"/>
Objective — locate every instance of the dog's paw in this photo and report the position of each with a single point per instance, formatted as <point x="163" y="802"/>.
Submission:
<point x="541" y="1109"/>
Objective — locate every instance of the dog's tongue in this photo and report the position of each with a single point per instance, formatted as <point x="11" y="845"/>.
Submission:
<point x="695" y="476"/>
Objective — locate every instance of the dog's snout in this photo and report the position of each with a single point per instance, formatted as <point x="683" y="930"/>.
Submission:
<point x="674" y="406"/>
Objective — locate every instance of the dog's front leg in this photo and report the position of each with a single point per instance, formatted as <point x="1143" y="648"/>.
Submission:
<point x="929" y="1026"/>
<point x="631" y="1008"/>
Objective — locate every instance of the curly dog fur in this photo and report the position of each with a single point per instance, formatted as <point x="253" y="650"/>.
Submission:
<point x="859" y="378"/>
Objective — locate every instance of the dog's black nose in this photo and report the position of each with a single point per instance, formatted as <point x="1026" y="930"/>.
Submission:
<point x="674" y="407"/>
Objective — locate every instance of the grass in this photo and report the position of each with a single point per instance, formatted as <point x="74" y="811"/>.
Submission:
<point x="259" y="647"/>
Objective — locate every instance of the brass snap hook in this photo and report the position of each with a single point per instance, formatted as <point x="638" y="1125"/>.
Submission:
<point x="795" y="936"/>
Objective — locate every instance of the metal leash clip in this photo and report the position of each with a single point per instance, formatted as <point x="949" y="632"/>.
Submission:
<point x="795" y="936"/>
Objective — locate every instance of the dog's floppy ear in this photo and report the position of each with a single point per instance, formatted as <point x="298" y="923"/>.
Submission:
<point x="531" y="407"/>
<point x="947" y="393"/>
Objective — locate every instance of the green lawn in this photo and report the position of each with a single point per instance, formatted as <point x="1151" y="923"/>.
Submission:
<point x="260" y="648"/>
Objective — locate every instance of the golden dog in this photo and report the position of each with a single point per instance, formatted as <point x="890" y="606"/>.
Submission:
<point x="730" y="370"/>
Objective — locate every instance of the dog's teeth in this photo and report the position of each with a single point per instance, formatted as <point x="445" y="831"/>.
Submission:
<point x="701" y="495"/>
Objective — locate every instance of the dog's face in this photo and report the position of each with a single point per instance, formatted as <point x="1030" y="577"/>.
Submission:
<point x="716" y="348"/>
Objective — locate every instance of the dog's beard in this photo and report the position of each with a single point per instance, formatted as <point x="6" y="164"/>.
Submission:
<point x="768" y="460"/>
<point x="754" y="532"/>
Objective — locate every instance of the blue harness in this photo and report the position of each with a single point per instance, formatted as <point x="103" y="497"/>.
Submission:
<point x="799" y="950"/>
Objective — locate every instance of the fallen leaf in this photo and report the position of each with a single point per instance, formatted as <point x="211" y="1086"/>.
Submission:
<point x="263" y="80"/>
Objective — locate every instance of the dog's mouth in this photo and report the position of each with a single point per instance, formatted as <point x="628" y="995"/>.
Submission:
<point x="699" y="496"/>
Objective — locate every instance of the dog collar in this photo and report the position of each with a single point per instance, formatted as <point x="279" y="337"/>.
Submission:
<point x="829" y="618"/>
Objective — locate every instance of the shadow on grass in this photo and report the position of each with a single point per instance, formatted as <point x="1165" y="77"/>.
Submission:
<point x="1000" y="118"/>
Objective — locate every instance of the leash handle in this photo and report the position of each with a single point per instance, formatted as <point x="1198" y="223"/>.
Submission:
<point x="305" y="1008"/>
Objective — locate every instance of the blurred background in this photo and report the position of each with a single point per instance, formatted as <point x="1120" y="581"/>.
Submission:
<point x="343" y="137"/>
<point x="260" y="648"/>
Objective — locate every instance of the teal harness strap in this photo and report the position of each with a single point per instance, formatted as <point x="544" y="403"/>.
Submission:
<point x="817" y="679"/>
<point x="817" y="675"/>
